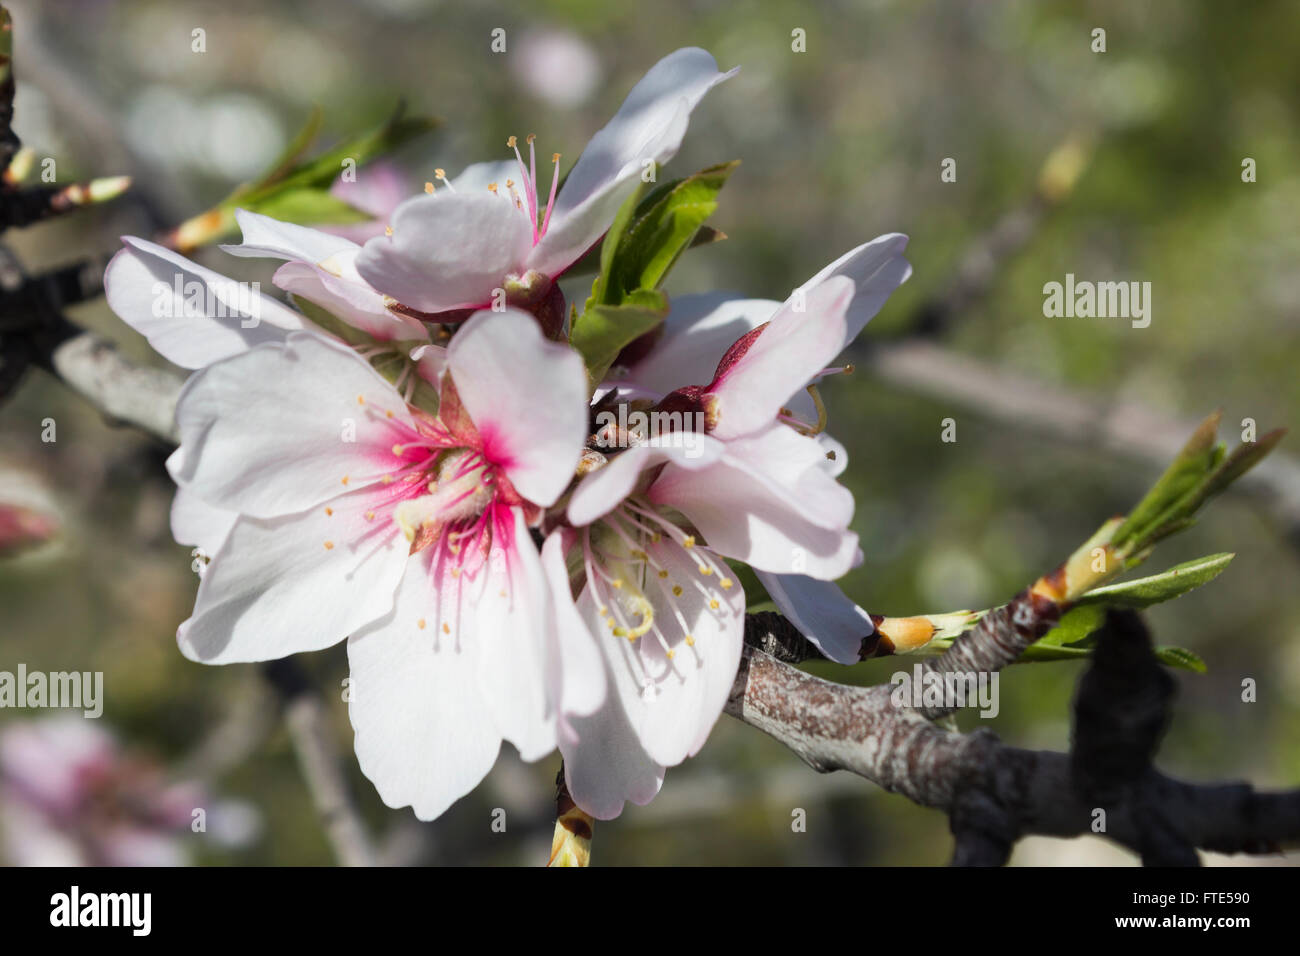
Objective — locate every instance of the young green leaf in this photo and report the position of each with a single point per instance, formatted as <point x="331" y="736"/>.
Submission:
<point x="601" y="332"/>
<point x="1158" y="588"/>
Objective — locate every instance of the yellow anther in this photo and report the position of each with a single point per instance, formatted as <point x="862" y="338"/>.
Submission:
<point x="663" y="573"/>
<point x="455" y="572"/>
<point x="677" y="590"/>
<point x="361" y="399"/>
<point x="387" y="479"/>
<point x="555" y="157"/>
<point x="388" y="230"/>
<point x="329" y="545"/>
<point x="440" y="173"/>
<point x="512" y="142"/>
<point x="492" y="187"/>
<point x="420" y="623"/>
<point x="726" y="582"/>
<point x="688" y="541"/>
<point x="617" y="582"/>
<point x="510" y="184"/>
<point x="604" y="612"/>
<point x="397" y="450"/>
<point x="388" y="414"/>
<point x="713" y="604"/>
<point x="529" y="138"/>
<point x="445" y="628"/>
<point x="370" y="516"/>
<point x="345" y="479"/>
<point x="706" y="571"/>
<point x="329" y="511"/>
<point x="428" y="188"/>
<point x="690" y="641"/>
<point x="670" y="653"/>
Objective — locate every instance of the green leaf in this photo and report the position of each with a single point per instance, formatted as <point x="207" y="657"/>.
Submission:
<point x="298" y="191"/>
<point x="1194" y="463"/>
<point x="609" y="247"/>
<point x="665" y="224"/>
<point x="1074" y="626"/>
<point x="589" y="264"/>
<point x="308" y="207"/>
<point x="291" y="154"/>
<point x="1158" y="588"/>
<point x="1182" y="658"/>
<point x="601" y="332"/>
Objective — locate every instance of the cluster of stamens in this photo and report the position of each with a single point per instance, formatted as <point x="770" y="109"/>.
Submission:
<point x="632" y="533"/>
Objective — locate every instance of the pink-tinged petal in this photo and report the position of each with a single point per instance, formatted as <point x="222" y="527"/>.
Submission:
<point x="601" y="491"/>
<point x="605" y="764"/>
<point x="336" y="287"/>
<point x="265" y="237"/>
<point x="672" y="703"/>
<point x="296" y="583"/>
<point x="506" y="615"/>
<point x="430" y="361"/>
<point x="877" y="268"/>
<point x="210" y="317"/>
<point x="783" y="358"/>
<point x="377" y="190"/>
<point x="768" y="502"/>
<point x="821" y="612"/>
<point x="648" y="126"/>
<point x="322" y="269"/>
<point x="527" y="397"/>
<point x="279" y="428"/>
<point x="696" y="334"/>
<point x="448" y="251"/>
<point x="50" y="760"/>
<point x="424" y="735"/>
<point x="575" y="669"/>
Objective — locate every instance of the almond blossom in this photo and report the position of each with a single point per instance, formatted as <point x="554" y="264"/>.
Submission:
<point x="455" y="248"/>
<point x="412" y="540"/>
<point x="654" y="525"/>
<point x="701" y="328"/>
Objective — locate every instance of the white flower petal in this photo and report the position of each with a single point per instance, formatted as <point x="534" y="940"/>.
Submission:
<point x="796" y="345"/>
<point x="697" y="333"/>
<point x="649" y="126"/>
<point x="210" y="317"/>
<point x="424" y="735"/>
<point x="768" y="502"/>
<point x="506" y="615"/>
<point x="267" y="237"/>
<point x="576" y="670"/>
<point x="599" y="492"/>
<point x="448" y="251"/>
<point x="822" y="613"/>
<point x="877" y="268"/>
<point x="278" y="429"/>
<point x="295" y="583"/>
<point x="672" y="704"/>
<point x="527" y="397"/>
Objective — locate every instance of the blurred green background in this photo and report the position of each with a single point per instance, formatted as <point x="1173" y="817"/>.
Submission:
<point x="839" y="144"/>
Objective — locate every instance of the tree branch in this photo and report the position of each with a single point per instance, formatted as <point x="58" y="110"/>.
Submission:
<point x="995" y="794"/>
